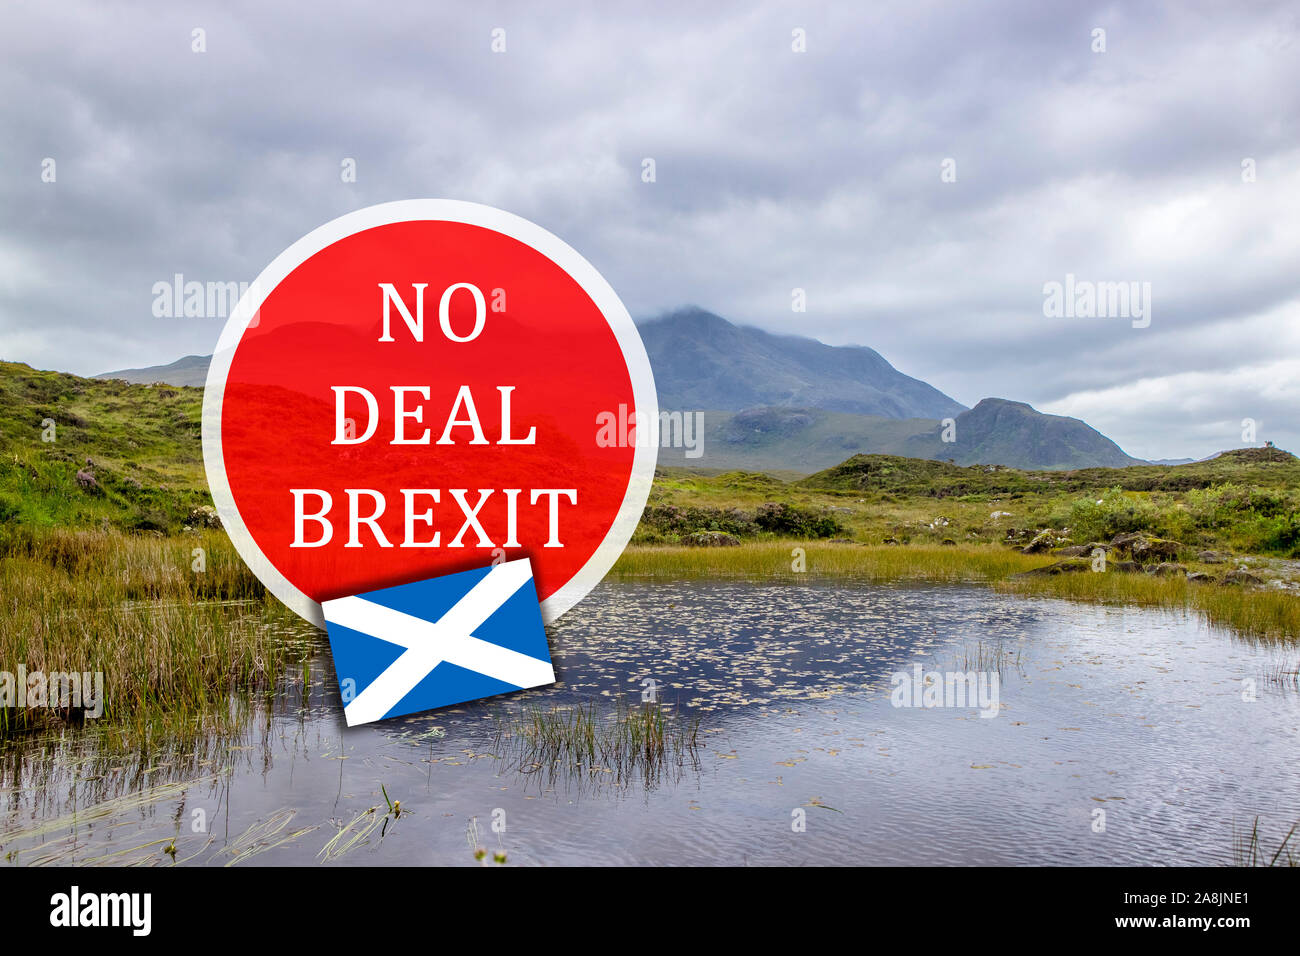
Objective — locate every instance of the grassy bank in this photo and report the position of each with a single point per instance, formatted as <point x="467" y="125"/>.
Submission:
<point x="1263" y="614"/>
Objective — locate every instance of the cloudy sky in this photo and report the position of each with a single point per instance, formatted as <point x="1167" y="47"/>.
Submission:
<point x="775" y="170"/>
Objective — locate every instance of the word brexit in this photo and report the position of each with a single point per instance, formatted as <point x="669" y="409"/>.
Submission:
<point x="376" y="504"/>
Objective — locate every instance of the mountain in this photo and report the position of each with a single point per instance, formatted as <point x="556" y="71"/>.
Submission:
<point x="791" y="403"/>
<point x="701" y="360"/>
<point x="1001" y="432"/>
<point x="191" y="370"/>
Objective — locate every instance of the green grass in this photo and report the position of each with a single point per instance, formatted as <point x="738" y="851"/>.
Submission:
<point x="140" y="443"/>
<point x="1266" y="615"/>
<point x="1268" y="467"/>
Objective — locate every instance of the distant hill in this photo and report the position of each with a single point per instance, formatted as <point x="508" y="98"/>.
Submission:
<point x="799" y="440"/>
<point x="994" y="432"/>
<point x="701" y="360"/>
<point x="191" y="370"/>
<point x="791" y="403"/>
<point x="1259" y="467"/>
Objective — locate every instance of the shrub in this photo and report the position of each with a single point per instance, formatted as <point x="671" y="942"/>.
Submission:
<point x="1224" y="505"/>
<point x="796" y="522"/>
<point x="669" y="521"/>
<point x="1114" y="513"/>
<point x="1279" y="534"/>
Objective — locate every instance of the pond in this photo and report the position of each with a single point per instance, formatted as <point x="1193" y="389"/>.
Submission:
<point x="1116" y="736"/>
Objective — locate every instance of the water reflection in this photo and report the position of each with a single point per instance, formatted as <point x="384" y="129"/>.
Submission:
<point x="1143" y="715"/>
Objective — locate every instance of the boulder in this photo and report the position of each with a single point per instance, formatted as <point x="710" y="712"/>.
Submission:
<point x="1144" y="547"/>
<point x="1074" y="551"/>
<point x="204" y="516"/>
<point x="1240" y="577"/>
<point x="1060" y="567"/>
<point x="1043" y="541"/>
<point x="1165" y="568"/>
<point x="710" y="539"/>
<point x="1213" y="557"/>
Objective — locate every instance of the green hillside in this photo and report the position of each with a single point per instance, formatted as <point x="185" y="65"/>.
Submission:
<point x="78" y="452"/>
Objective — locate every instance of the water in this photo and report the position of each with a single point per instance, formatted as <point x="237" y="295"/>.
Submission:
<point x="1137" y="713"/>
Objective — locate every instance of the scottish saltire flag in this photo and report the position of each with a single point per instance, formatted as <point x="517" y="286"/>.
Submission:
<point x="442" y="641"/>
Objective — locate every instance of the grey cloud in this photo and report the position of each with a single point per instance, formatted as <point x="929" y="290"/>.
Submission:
<point x="775" y="170"/>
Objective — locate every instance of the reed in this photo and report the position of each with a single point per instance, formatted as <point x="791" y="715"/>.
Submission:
<point x="583" y="744"/>
<point x="1248" y="849"/>
<point x="173" y="630"/>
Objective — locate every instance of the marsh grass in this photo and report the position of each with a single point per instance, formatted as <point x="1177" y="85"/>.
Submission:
<point x="988" y="656"/>
<point x="584" y="744"/>
<point x="358" y="831"/>
<point x="171" y="642"/>
<point x="263" y="836"/>
<point x="1283" y="674"/>
<point x="769" y="560"/>
<point x="61" y="832"/>
<point x="1262" y="615"/>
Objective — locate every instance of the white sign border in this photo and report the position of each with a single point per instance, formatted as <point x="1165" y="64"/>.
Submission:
<point x="446" y="210"/>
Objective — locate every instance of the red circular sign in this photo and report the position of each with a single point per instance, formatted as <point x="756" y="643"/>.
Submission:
<point x="422" y="388"/>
